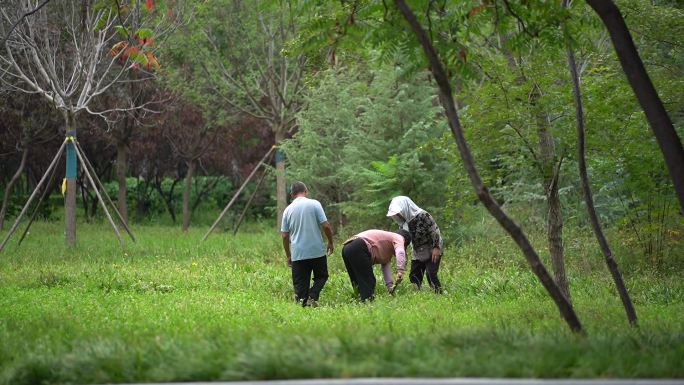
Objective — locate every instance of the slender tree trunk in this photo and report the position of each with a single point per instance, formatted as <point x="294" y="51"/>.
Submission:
<point x="554" y="219"/>
<point x="447" y="100"/>
<point x="142" y="198"/>
<point x="167" y="198"/>
<point x="546" y="159"/>
<point x="186" y="193"/>
<point x="203" y="192"/>
<point x="80" y="183"/>
<point x="588" y="198"/>
<point x="281" y="194"/>
<point x="71" y="174"/>
<point x="121" y="168"/>
<point x="170" y="205"/>
<point x="93" y="203"/>
<point x="8" y="189"/>
<point x="555" y="238"/>
<point x="669" y="142"/>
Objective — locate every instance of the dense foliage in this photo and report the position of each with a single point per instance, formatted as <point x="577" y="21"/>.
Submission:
<point x="366" y="137"/>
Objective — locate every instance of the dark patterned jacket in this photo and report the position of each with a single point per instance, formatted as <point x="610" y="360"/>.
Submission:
<point x="425" y="235"/>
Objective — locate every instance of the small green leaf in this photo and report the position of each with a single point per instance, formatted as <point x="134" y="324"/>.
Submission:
<point x="144" y="33"/>
<point x="138" y="57"/>
<point x="121" y="30"/>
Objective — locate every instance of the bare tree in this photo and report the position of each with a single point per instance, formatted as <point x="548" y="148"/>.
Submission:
<point x="64" y="52"/>
<point x="262" y="80"/>
<point x="25" y="15"/>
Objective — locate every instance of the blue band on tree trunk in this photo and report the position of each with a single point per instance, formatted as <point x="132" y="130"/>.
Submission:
<point x="71" y="160"/>
<point x="279" y="156"/>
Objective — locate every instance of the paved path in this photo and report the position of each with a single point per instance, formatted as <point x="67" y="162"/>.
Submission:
<point x="442" y="381"/>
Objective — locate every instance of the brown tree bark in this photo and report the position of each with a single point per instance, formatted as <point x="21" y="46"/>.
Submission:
<point x="281" y="189"/>
<point x="121" y="170"/>
<point x="550" y="175"/>
<point x="70" y="196"/>
<point x="661" y="125"/>
<point x="8" y="189"/>
<point x="202" y="193"/>
<point x="447" y="100"/>
<point x="167" y="198"/>
<point x="554" y="231"/>
<point x="588" y="198"/>
<point x="192" y="164"/>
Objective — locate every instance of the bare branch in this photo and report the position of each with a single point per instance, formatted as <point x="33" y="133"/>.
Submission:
<point x="29" y="13"/>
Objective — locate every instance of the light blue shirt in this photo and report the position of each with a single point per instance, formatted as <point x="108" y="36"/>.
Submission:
<point x="302" y="219"/>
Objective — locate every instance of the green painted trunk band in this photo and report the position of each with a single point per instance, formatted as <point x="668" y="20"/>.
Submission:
<point x="71" y="161"/>
<point x="279" y="156"/>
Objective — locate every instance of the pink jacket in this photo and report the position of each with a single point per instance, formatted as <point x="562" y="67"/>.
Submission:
<point x="383" y="245"/>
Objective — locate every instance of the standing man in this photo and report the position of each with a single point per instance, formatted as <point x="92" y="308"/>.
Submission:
<point x="301" y="228"/>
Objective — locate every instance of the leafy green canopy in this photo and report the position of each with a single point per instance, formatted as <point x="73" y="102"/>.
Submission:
<point x="497" y="53"/>
<point x="366" y="136"/>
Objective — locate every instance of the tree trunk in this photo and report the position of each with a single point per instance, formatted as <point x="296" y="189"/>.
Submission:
<point x="186" y="193"/>
<point x="669" y="142"/>
<point x="588" y="198"/>
<point x="85" y="195"/>
<point x="281" y="194"/>
<point x="202" y="193"/>
<point x="554" y="220"/>
<point x="547" y="154"/>
<point x="167" y="198"/>
<point x="93" y="202"/>
<point x="8" y="189"/>
<point x="447" y="101"/>
<point x="555" y="237"/>
<point x="142" y="198"/>
<point x="121" y="168"/>
<point x="71" y="173"/>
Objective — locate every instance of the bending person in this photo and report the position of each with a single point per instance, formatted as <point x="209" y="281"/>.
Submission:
<point x="426" y="239"/>
<point x="370" y="247"/>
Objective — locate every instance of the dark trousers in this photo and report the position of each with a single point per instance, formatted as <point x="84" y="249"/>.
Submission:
<point x="418" y="270"/>
<point x="301" y="277"/>
<point x="357" y="260"/>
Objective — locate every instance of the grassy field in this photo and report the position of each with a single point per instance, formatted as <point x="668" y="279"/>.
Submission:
<point x="169" y="308"/>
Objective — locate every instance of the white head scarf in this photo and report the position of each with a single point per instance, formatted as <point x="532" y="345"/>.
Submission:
<point x="405" y="207"/>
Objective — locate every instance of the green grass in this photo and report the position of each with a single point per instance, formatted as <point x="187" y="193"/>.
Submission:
<point x="170" y="308"/>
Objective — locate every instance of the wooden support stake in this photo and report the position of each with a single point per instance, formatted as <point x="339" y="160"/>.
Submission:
<point x="99" y="197"/>
<point x="97" y="179"/>
<point x="35" y="210"/>
<point x="249" y="202"/>
<point x="225" y="210"/>
<point x="33" y="195"/>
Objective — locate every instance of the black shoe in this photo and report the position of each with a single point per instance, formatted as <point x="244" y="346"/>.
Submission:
<point x="310" y="302"/>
